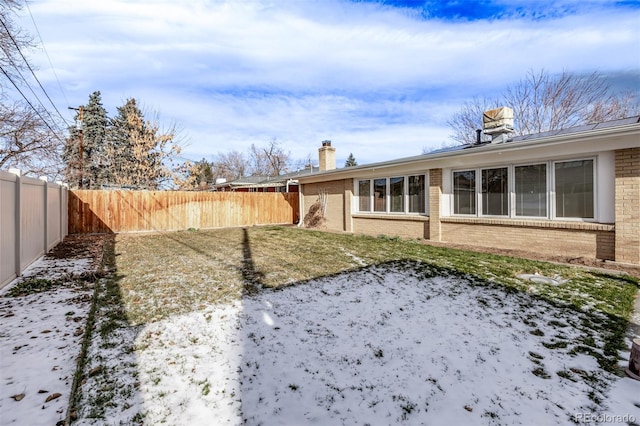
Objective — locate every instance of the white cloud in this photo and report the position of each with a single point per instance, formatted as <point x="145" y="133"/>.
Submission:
<point x="236" y="73"/>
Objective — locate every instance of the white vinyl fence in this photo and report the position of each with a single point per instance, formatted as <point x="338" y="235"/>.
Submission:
<point x="33" y="219"/>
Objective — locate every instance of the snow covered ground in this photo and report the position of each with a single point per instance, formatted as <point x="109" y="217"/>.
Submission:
<point x="385" y="345"/>
<point x="40" y="338"/>
<point x="389" y="344"/>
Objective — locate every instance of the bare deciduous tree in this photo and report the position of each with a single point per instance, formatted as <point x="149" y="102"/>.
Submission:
<point x="231" y="165"/>
<point x="12" y="39"/>
<point x="270" y="160"/>
<point x="27" y="142"/>
<point x="543" y="102"/>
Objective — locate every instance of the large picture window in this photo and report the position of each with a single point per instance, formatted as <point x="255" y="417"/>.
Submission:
<point x="464" y="192"/>
<point x="495" y="192"/>
<point x="531" y="190"/>
<point x="574" y="189"/>
<point x="364" y="195"/>
<point x="416" y="194"/>
<point x="380" y="195"/>
<point x="550" y="190"/>
<point x="396" y="193"/>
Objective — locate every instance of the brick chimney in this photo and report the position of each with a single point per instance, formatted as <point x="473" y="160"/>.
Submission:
<point x="327" y="156"/>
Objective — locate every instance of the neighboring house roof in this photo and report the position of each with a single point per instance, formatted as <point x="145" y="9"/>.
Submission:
<point x="266" y="181"/>
<point x="573" y="134"/>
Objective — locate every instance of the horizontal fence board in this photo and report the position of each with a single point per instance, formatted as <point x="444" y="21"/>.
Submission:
<point x="105" y="211"/>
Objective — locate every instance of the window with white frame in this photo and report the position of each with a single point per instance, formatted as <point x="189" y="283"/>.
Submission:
<point x="526" y="190"/>
<point x="495" y="192"/>
<point x="364" y="195"/>
<point x="398" y="194"/>
<point x="464" y="192"/>
<point x="531" y="190"/>
<point x="416" y="194"/>
<point x="380" y="195"/>
<point x="574" y="189"/>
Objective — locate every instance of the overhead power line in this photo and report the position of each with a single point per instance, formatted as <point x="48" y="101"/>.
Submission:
<point x="30" y="104"/>
<point x="47" y="53"/>
<point x="15" y="43"/>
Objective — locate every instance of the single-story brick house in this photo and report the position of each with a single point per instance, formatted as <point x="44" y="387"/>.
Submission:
<point x="572" y="192"/>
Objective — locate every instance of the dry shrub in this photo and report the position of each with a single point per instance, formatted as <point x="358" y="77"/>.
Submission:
<point x="314" y="217"/>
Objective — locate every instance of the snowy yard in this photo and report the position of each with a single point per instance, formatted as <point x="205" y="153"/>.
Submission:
<point x="392" y="342"/>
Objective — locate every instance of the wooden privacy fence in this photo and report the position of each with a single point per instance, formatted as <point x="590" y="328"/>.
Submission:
<point x="33" y="219"/>
<point x="99" y="211"/>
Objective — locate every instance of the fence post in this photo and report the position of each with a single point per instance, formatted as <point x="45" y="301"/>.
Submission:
<point x="64" y="199"/>
<point x="46" y="213"/>
<point x="59" y="183"/>
<point x="18" y="221"/>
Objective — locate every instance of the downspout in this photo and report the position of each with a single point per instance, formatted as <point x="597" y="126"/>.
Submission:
<point x="300" y="205"/>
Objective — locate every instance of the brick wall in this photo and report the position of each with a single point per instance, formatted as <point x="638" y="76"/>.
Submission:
<point x="627" y="241"/>
<point x="549" y="238"/>
<point x="435" y="196"/>
<point x="391" y="225"/>
<point x="338" y="212"/>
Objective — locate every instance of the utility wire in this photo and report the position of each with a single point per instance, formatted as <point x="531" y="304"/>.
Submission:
<point x="64" y="95"/>
<point x="15" y="43"/>
<point x="29" y="86"/>
<point x="30" y="104"/>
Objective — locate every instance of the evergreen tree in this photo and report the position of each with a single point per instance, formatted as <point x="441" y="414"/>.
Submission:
<point x="71" y="156"/>
<point x="94" y="130"/>
<point x="85" y="149"/>
<point x="351" y="161"/>
<point x="201" y="174"/>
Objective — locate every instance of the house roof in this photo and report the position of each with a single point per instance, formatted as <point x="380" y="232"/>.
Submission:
<point x="267" y="181"/>
<point x="572" y="134"/>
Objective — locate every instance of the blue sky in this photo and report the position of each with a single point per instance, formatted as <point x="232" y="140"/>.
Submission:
<point x="379" y="79"/>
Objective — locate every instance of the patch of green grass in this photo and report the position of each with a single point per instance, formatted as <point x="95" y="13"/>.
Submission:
<point x="206" y="387"/>
<point x="32" y="286"/>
